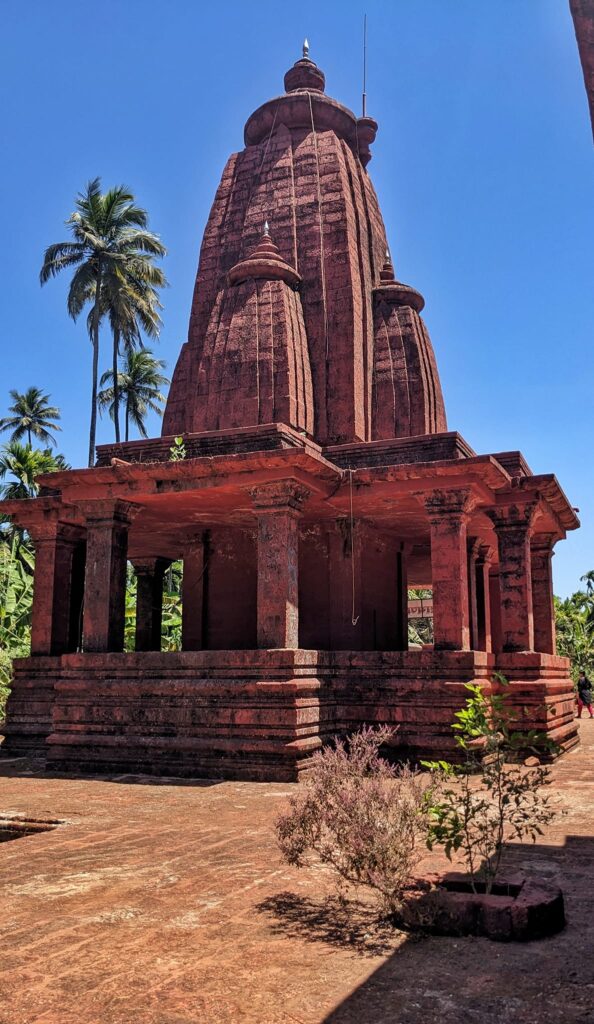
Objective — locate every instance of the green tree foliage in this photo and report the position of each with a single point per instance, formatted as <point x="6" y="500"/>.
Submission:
<point x="171" y="621"/>
<point x="16" y="597"/>
<point x="22" y="464"/>
<point x="490" y="799"/>
<point x="139" y="384"/>
<point x="575" y="627"/>
<point x="113" y="255"/>
<point x="31" y="414"/>
<point x="420" y="631"/>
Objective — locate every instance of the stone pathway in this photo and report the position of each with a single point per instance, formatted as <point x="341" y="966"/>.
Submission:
<point x="165" y="903"/>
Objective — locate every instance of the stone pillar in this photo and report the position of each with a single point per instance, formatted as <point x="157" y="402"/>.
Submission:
<point x="513" y="523"/>
<point x="401" y="639"/>
<point x="55" y="546"/>
<point x="105" y="577"/>
<point x="448" y="513"/>
<point x="278" y="506"/>
<point x="149" y="602"/>
<point x="194" y="594"/>
<point x="495" y="603"/>
<point x="473" y="548"/>
<point x="541" y="554"/>
<point x="483" y="598"/>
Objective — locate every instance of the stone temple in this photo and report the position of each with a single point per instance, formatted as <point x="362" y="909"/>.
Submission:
<point x="320" y="483"/>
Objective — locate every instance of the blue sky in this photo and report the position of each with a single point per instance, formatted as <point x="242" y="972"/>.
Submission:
<point x="483" y="165"/>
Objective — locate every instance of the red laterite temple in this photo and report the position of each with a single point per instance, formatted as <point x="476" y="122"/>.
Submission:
<point x="320" y="482"/>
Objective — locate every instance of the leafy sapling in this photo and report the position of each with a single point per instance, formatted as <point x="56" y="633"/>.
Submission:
<point x="477" y="807"/>
<point x="178" y="452"/>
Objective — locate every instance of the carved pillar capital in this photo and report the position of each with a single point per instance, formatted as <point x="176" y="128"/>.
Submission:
<point x="448" y="504"/>
<point x="543" y="543"/>
<point x="109" y="511"/>
<point x="150" y="566"/>
<point x="279" y="495"/>
<point x="517" y="515"/>
<point x="485" y="554"/>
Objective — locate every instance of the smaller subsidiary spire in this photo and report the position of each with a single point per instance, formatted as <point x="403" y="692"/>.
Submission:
<point x="387" y="271"/>
<point x="306" y="48"/>
<point x="395" y="292"/>
<point x="265" y="262"/>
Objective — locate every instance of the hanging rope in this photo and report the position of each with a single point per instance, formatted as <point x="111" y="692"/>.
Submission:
<point x="354" y="618"/>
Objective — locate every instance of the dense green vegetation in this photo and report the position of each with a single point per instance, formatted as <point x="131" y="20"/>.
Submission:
<point x="575" y="627"/>
<point x="116" y="278"/>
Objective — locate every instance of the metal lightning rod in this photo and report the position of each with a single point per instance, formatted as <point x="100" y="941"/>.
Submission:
<point x="364" y="65"/>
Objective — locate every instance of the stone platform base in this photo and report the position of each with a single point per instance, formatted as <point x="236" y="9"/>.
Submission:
<point x="260" y="714"/>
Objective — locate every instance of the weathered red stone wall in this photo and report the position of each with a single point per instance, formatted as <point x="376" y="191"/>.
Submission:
<point x="230" y="590"/>
<point x="326" y="569"/>
<point x="261" y="714"/>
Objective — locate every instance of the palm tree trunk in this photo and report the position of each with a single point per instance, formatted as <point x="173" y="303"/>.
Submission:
<point x="29" y="436"/>
<point x="127" y="418"/>
<point x="95" y="341"/>
<point x="116" y="385"/>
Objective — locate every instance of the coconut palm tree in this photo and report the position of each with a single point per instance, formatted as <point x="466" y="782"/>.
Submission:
<point x="24" y="464"/>
<point x="132" y="307"/>
<point x="111" y="246"/>
<point x="138" y="389"/>
<point x="31" y="414"/>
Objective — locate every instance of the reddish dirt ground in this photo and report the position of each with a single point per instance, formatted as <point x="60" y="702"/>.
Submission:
<point x="167" y="903"/>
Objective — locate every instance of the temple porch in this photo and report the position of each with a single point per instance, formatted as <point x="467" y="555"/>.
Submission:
<point x="296" y="567"/>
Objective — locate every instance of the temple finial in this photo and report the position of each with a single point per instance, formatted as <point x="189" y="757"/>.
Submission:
<point x="266" y="229"/>
<point x="306" y="48"/>
<point x="388" y="257"/>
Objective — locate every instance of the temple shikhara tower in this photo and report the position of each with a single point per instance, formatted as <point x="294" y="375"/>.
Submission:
<point x="320" y="483"/>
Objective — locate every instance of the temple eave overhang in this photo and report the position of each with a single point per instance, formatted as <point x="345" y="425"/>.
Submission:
<point x="384" y="491"/>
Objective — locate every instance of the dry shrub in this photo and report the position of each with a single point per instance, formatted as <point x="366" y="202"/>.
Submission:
<point x="360" y="815"/>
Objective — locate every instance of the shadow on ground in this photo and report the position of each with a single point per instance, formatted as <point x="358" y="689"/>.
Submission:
<point x="345" y="924"/>
<point x="26" y="767"/>
<point x="454" y="980"/>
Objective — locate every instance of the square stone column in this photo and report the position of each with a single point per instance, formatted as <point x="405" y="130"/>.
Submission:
<point x="278" y="506"/>
<point x="51" y="616"/>
<point x="513" y="523"/>
<point x="473" y="548"/>
<point x="149" y="602"/>
<point x="495" y="604"/>
<point x="401" y="639"/>
<point x="194" y="593"/>
<point x="541" y="556"/>
<point x="448" y="515"/>
<point x="483" y="598"/>
<point x="108" y="522"/>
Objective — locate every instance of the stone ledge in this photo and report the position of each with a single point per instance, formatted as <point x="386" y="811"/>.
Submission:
<point x="518" y="909"/>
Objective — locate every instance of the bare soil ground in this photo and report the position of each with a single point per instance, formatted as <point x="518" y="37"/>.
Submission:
<point x="158" y="902"/>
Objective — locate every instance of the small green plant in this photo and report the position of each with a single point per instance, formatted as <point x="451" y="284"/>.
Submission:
<point x="476" y="808"/>
<point x="178" y="452"/>
<point x="359" y="815"/>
